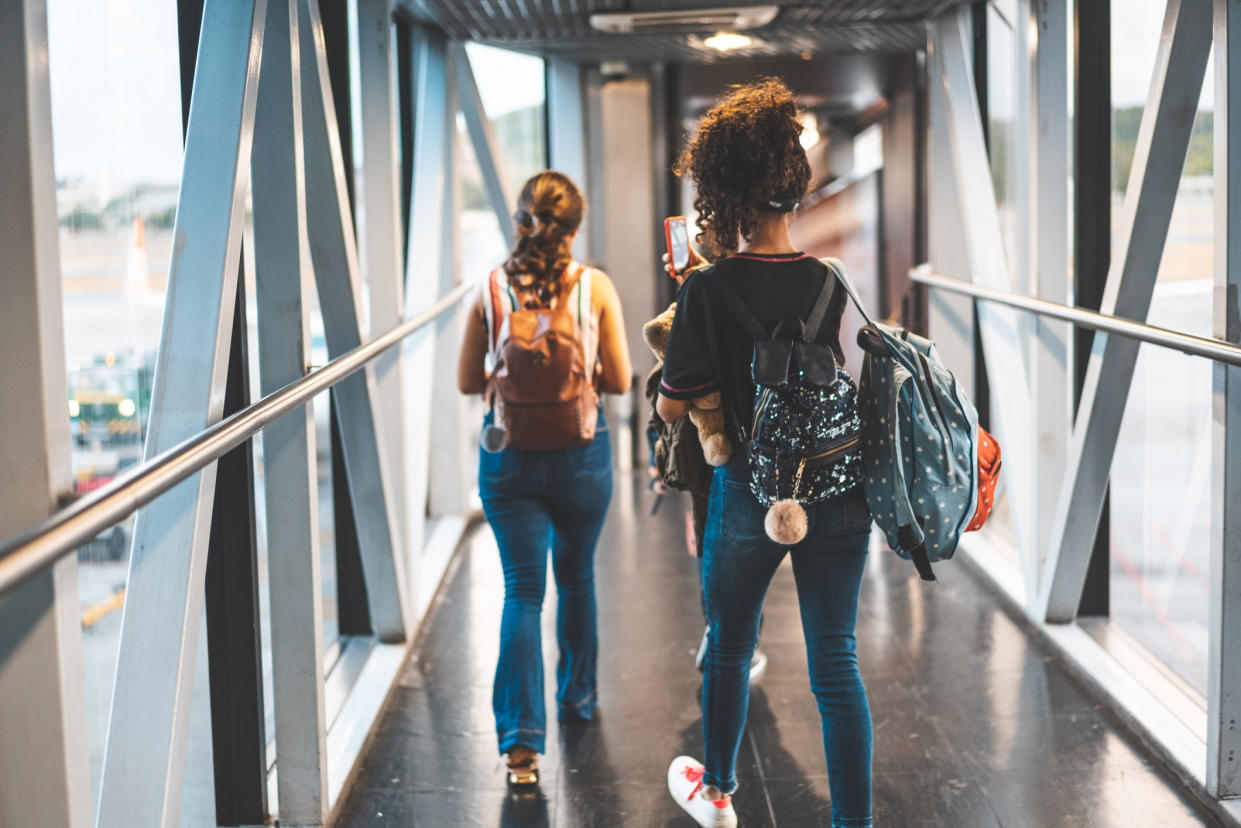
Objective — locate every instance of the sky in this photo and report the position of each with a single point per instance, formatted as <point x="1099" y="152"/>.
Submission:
<point x="1136" y="25"/>
<point x="116" y="96"/>
<point x="116" y="99"/>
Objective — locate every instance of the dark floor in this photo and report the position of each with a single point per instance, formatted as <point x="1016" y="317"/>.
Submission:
<point x="974" y="726"/>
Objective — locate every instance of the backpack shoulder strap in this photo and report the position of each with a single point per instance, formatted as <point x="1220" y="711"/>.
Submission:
<point x="741" y="311"/>
<point x="819" y="311"/>
<point x="582" y="298"/>
<point x="493" y="308"/>
<point x="585" y="296"/>
<point x="837" y="270"/>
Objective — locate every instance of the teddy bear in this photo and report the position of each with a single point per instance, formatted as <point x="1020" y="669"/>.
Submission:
<point x="705" y="412"/>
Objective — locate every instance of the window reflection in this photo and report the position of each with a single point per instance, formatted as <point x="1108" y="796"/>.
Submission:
<point x="1160" y="491"/>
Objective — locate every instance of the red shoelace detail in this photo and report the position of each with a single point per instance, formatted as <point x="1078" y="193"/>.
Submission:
<point x="694" y="774"/>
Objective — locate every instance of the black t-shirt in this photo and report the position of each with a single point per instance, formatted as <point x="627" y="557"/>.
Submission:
<point x="773" y="286"/>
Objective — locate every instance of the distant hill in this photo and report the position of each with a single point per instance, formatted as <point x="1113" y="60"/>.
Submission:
<point x="1125" y="123"/>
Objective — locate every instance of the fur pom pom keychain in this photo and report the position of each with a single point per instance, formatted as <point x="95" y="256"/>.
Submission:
<point x="786" y="522"/>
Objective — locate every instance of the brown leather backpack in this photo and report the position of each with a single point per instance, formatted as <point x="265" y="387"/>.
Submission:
<point x="541" y="384"/>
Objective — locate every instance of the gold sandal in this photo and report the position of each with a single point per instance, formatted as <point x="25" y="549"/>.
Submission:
<point x="523" y="766"/>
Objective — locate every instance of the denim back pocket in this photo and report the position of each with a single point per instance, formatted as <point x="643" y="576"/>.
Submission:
<point x="734" y="511"/>
<point x="846" y="514"/>
<point x="501" y="467"/>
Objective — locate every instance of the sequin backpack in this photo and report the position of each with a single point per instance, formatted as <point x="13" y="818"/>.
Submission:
<point x="804" y="436"/>
<point x="920" y="443"/>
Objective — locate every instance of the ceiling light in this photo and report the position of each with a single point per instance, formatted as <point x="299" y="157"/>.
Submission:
<point x="736" y="18"/>
<point x="723" y="41"/>
<point x="810" y="130"/>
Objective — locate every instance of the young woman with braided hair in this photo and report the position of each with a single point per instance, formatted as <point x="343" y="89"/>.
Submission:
<point x="751" y="171"/>
<point x="539" y="499"/>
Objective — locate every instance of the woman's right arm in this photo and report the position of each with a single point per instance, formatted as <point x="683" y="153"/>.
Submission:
<point x="471" y="376"/>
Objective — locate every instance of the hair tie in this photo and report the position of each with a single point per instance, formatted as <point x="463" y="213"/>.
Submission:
<point x="523" y="218"/>
<point x="784" y="206"/>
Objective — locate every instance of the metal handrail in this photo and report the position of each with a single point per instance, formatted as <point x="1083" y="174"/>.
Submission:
<point x="27" y="554"/>
<point x="1203" y="346"/>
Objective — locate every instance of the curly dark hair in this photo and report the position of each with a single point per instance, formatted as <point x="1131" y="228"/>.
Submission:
<point x="549" y="211"/>
<point x="745" y="155"/>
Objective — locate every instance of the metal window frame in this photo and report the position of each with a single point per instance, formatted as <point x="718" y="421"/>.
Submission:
<point x="1223" y="759"/>
<point x="149" y="722"/>
<point x="282" y="256"/>
<point x="1048" y="205"/>
<point x="42" y="704"/>
<point x="1092" y="235"/>
<point x="231" y="591"/>
<point x="382" y="236"/>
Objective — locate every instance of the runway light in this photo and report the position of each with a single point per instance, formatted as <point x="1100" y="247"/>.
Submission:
<point x="723" y="41"/>
<point x="126" y="407"/>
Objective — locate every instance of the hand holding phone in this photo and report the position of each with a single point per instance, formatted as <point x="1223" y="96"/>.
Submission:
<point x="680" y="258"/>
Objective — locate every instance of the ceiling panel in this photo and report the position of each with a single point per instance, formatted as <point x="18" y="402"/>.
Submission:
<point x="561" y="28"/>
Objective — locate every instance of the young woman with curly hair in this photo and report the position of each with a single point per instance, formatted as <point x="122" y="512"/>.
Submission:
<point x="751" y="171"/>
<point x="541" y="499"/>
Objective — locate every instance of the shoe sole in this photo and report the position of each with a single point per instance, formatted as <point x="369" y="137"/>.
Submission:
<point x="523" y="779"/>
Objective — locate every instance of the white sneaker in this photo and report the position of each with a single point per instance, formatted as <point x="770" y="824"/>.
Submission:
<point x="758" y="666"/>
<point x="685" y="785"/>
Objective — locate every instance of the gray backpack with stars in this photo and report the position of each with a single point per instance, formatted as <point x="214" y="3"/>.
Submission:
<point x="919" y="441"/>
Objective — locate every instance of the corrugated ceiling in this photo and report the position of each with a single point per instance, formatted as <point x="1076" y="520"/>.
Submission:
<point x="561" y="28"/>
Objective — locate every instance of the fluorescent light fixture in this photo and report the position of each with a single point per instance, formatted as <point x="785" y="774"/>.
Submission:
<point x="728" y="18"/>
<point x="723" y="41"/>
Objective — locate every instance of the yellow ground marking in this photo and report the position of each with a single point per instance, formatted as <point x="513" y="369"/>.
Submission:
<point x="95" y="613"/>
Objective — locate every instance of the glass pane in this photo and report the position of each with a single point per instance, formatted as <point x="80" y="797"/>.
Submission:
<point x="116" y="116"/>
<point x="1160" y="493"/>
<point x="1003" y="122"/>
<point x="514" y="93"/>
<point x="482" y="243"/>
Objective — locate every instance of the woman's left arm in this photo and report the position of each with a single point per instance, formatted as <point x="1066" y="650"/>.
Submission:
<point x="616" y="374"/>
<point x="471" y="373"/>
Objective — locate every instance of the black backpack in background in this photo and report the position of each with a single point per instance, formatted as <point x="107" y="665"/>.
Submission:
<point x="804" y="438"/>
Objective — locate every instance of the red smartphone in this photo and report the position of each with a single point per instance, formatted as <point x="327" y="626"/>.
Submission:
<point x="676" y="233"/>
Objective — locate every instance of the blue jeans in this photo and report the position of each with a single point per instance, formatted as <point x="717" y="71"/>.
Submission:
<point x="536" y="500"/>
<point x="738" y="563"/>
